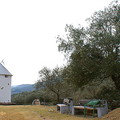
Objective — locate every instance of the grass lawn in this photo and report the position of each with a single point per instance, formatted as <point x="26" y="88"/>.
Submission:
<point x="29" y="112"/>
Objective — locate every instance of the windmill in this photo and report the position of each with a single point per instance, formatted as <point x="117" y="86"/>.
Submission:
<point x="2" y="62"/>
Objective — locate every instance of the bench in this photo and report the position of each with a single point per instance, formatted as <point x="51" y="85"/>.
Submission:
<point x="99" y="109"/>
<point x="66" y="107"/>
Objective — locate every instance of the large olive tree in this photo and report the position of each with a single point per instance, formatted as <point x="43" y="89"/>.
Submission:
<point x="93" y="53"/>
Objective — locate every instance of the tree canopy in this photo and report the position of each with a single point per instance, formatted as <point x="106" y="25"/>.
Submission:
<point x="52" y="80"/>
<point x="94" y="52"/>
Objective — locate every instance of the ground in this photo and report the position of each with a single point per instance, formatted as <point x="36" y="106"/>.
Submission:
<point x="30" y="112"/>
<point x="113" y="115"/>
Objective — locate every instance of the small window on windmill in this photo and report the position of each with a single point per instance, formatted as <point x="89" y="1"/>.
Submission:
<point x="2" y="88"/>
<point x="6" y="76"/>
<point x="8" y="83"/>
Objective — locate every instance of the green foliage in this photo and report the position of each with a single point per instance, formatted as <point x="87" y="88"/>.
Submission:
<point x="111" y="95"/>
<point x="93" y="52"/>
<point x="53" y="83"/>
<point x="27" y="97"/>
<point x="18" y="99"/>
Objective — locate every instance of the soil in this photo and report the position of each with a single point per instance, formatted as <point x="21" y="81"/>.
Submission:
<point x="113" y="115"/>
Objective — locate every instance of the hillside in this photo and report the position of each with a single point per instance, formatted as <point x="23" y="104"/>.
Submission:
<point x="22" y="88"/>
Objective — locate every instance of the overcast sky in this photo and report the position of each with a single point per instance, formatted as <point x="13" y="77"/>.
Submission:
<point x="28" y="31"/>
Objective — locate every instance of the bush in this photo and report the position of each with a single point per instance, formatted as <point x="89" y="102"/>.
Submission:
<point x="26" y="97"/>
<point x="111" y="95"/>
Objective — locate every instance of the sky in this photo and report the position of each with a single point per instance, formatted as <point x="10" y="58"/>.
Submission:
<point x="28" y="31"/>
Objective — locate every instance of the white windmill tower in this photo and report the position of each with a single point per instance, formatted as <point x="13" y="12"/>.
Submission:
<point x="5" y="84"/>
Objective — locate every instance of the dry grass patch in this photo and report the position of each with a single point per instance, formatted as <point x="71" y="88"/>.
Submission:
<point x="38" y="112"/>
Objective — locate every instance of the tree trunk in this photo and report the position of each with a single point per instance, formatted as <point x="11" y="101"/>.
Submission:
<point x="116" y="80"/>
<point x="58" y="98"/>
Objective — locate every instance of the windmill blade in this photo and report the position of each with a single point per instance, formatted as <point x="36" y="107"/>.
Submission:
<point x="2" y="62"/>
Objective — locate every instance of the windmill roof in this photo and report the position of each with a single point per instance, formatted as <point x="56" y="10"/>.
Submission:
<point x="3" y="70"/>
